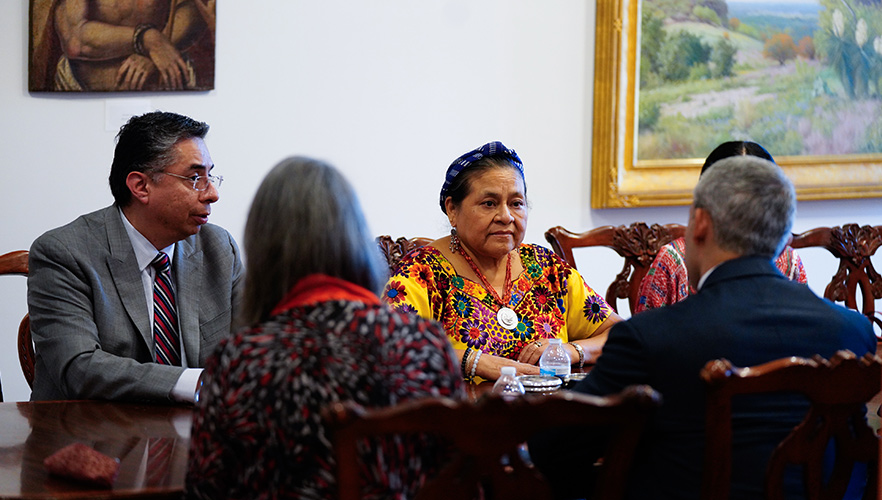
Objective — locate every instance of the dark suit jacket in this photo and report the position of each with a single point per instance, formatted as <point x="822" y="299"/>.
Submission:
<point x="747" y="312"/>
<point x="88" y="309"/>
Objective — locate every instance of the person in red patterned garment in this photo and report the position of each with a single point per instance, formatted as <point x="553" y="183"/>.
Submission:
<point x="667" y="283"/>
<point x="315" y="333"/>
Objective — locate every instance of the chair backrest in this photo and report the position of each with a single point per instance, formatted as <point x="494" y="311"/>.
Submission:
<point x="853" y="245"/>
<point x="394" y="250"/>
<point x="838" y="391"/>
<point x="638" y="244"/>
<point x="486" y="454"/>
<point x="17" y="263"/>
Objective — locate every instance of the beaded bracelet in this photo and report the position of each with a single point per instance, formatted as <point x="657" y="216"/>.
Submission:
<point x="468" y="367"/>
<point x="138" y="38"/>
<point x="581" y="352"/>
<point x="465" y="358"/>
<point x="475" y="365"/>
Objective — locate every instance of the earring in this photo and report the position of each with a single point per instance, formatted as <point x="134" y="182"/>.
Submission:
<point x="454" y="241"/>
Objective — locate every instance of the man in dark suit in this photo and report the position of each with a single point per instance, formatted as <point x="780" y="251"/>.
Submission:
<point x="745" y="310"/>
<point x="105" y="326"/>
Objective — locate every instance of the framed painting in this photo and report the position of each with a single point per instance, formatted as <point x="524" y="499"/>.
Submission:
<point x="675" y="78"/>
<point x="121" y="45"/>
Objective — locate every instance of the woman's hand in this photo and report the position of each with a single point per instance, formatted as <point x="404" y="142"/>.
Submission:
<point x="531" y="352"/>
<point x="489" y="366"/>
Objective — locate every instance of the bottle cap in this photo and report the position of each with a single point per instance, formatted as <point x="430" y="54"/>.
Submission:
<point x="555" y="340"/>
<point x="508" y="370"/>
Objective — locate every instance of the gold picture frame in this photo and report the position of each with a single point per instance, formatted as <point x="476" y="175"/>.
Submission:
<point x="619" y="180"/>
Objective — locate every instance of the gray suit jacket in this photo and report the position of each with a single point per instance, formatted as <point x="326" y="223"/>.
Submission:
<point x="92" y="335"/>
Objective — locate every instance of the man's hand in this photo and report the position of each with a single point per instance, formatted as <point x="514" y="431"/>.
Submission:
<point x="133" y="72"/>
<point x="171" y="66"/>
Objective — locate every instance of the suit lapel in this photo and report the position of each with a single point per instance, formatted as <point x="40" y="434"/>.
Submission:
<point x="126" y="276"/>
<point x="187" y="270"/>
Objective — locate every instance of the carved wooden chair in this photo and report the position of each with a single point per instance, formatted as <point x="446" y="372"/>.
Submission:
<point x="394" y="250"/>
<point x="17" y="263"/>
<point x="853" y="245"/>
<point x="637" y="243"/>
<point x="838" y="391"/>
<point x="484" y="457"/>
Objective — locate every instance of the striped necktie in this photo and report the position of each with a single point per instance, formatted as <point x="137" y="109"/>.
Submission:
<point x="160" y="452"/>
<point x="165" y="315"/>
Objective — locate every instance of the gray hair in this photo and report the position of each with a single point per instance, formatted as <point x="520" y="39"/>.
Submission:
<point x="305" y="219"/>
<point x="751" y="202"/>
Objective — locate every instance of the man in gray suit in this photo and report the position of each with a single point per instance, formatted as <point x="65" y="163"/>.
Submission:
<point x="104" y="326"/>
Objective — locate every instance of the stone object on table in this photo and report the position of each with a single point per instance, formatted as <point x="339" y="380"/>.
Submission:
<point x="82" y="463"/>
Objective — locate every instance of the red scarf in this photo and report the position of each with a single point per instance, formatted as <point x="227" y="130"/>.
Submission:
<point x="317" y="288"/>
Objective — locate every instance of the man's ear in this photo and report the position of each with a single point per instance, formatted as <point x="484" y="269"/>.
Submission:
<point x="138" y="184"/>
<point x="702" y="225"/>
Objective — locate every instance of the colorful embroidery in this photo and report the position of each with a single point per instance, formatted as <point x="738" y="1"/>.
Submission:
<point x="550" y="298"/>
<point x="395" y="292"/>
<point x="596" y="309"/>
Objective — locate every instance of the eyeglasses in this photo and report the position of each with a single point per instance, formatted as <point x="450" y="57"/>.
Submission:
<point x="200" y="182"/>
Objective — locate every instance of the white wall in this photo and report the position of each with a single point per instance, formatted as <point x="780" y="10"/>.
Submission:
<point x="390" y="91"/>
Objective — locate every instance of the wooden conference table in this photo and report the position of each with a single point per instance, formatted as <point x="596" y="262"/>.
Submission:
<point x="151" y="442"/>
<point x="31" y="431"/>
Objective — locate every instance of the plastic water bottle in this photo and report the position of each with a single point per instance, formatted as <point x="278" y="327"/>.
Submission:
<point x="555" y="361"/>
<point x="508" y="385"/>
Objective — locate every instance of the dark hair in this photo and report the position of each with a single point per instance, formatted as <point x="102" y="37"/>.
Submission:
<point x="462" y="186"/>
<point x="305" y="219"/>
<point x="735" y="148"/>
<point x="145" y="144"/>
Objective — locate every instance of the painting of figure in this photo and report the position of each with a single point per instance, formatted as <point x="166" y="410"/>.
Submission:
<point x="121" y="45"/>
<point x="801" y="77"/>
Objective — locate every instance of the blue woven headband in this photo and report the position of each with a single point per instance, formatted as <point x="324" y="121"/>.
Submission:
<point x="494" y="149"/>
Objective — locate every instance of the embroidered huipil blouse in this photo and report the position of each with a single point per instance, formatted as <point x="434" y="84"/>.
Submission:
<point x="550" y="298"/>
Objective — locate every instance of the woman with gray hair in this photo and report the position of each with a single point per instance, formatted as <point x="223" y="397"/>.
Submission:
<point x="315" y="333"/>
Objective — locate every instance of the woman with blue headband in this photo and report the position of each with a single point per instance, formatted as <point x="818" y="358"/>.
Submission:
<point x="498" y="298"/>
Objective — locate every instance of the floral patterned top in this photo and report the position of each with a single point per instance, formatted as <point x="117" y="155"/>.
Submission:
<point x="258" y="431"/>
<point x="666" y="281"/>
<point x="550" y="298"/>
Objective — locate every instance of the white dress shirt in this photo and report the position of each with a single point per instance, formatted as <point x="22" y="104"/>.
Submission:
<point x="145" y="252"/>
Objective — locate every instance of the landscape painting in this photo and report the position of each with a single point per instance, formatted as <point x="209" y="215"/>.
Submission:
<point x="801" y="77"/>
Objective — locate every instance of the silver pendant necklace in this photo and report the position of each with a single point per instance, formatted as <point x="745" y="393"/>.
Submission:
<point x="506" y="316"/>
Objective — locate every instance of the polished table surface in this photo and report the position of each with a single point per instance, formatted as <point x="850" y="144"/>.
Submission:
<point x="31" y="431"/>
